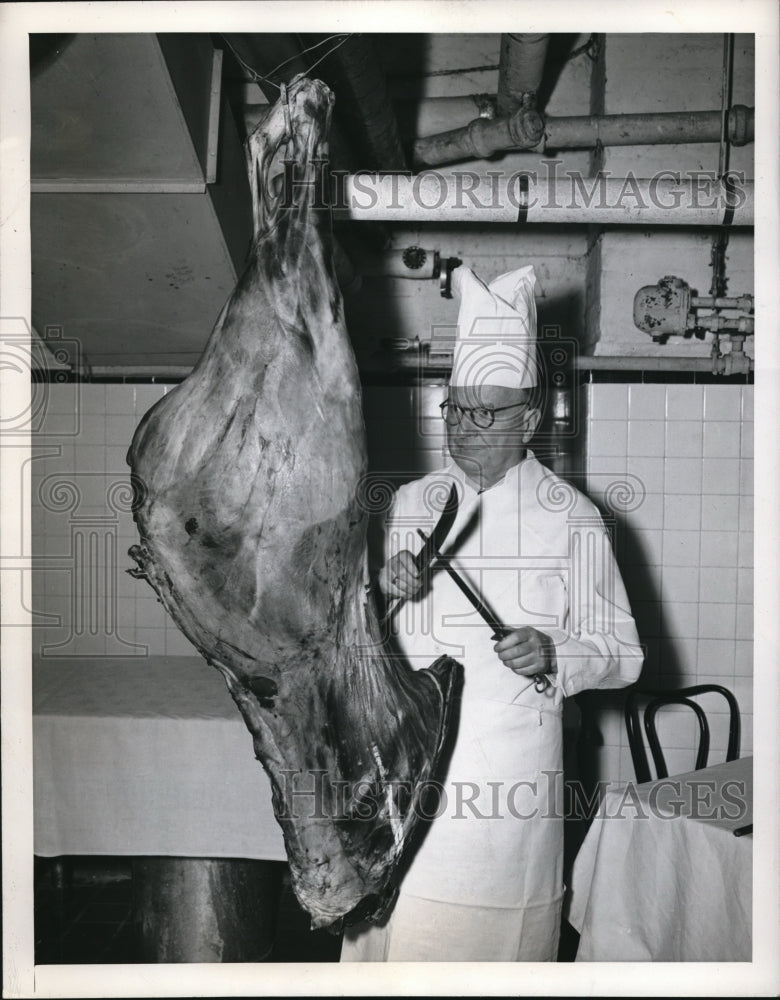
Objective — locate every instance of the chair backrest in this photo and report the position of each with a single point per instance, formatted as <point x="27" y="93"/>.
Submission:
<point x="681" y="696"/>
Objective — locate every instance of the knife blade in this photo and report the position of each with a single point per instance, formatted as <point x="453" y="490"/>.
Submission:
<point x="500" y="631"/>
<point x="435" y="540"/>
<point x="432" y="542"/>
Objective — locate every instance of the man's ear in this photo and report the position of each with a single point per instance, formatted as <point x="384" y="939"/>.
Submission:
<point x="530" y="423"/>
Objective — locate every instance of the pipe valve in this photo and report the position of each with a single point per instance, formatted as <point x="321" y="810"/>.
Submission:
<point x="671" y="308"/>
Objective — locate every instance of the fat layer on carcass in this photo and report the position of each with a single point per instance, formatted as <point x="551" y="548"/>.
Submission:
<point x="254" y="539"/>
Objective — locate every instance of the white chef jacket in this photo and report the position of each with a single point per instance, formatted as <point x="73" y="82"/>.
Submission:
<point x="538" y="553"/>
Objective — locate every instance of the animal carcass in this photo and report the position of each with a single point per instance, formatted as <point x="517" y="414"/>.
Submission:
<point x="254" y="539"/>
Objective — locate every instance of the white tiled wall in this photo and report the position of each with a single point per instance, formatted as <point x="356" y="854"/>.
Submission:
<point x="684" y="544"/>
<point x="82" y="526"/>
<point x="683" y="529"/>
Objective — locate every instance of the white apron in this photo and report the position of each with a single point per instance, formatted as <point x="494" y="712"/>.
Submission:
<point x="486" y="882"/>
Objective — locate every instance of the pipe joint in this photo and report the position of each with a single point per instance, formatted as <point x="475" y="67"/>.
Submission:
<point x="740" y="123"/>
<point x="479" y="136"/>
<point x="736" y="362"/>
<point x="520" y="70"/>
<point x="484" y="136"/>
<point x="526" y="128"/>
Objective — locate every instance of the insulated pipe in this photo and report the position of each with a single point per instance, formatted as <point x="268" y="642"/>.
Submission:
<point x="526" y="129"/>
<point x="465" y="196"/>
<point x="520" y="69"/>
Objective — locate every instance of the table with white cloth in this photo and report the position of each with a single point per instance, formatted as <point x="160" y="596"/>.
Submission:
<point x="661" y="875"/>
<point x="150" y="758"/>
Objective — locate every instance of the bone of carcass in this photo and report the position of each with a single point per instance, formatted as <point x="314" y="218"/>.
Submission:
<point x="254" y="539"/>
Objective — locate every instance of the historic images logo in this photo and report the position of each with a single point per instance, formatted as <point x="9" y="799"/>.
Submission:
<point x="521" y="191"/>
<point x="312" y="794"/>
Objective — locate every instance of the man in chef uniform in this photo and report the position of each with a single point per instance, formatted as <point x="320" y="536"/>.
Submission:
<point x="486" y="883"/>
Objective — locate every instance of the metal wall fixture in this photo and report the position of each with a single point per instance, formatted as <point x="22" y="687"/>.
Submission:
<point x="734" y="361"/>
<point x="415" y="263"/>
<point x="671" y="309"/>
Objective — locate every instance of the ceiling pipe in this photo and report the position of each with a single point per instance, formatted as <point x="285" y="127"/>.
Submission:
<point x="526" y="197"/>
<point x="480" y="138"/>
<point x="519" y="124"/>
<point x="668" y="127"/>
<point x="520" y="70"/>
<point x="527" y="130"/>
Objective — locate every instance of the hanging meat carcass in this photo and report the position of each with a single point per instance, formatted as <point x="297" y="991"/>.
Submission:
<point x="254" y="539"/>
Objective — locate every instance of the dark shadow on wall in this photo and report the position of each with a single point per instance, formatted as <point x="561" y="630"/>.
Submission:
<point x="404" y="59"/>
<point x="662" y="663"/>
<point x="616" y="497"/>
<point x="559" y="51"/>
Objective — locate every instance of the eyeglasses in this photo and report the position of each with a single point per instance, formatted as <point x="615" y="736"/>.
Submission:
<point x="480" y="416"/>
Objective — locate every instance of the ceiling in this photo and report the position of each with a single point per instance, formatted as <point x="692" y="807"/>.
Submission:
<point x="133" y="252"/>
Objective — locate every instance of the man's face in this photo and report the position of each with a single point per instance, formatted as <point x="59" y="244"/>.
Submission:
<point x="485" y="454"/>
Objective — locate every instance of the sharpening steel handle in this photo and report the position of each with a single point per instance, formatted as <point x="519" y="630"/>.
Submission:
<point x="541" y="681"/>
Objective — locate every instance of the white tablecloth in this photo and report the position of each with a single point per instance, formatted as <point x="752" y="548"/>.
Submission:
<point x="646" y="887"/>
<point x="146" y="757"/>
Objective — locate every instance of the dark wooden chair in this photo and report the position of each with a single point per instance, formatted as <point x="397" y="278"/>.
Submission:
<point x="656" y="699"/>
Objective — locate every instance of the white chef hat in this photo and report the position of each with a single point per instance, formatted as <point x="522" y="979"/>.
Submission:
<point x="496" y="341"/>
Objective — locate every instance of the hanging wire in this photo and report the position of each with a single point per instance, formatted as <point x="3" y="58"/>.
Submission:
<point x="257" y="77"/>
<point x="244" y="65"/>
<point x="591" y="47"/>
<point x="346" y="38"/>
